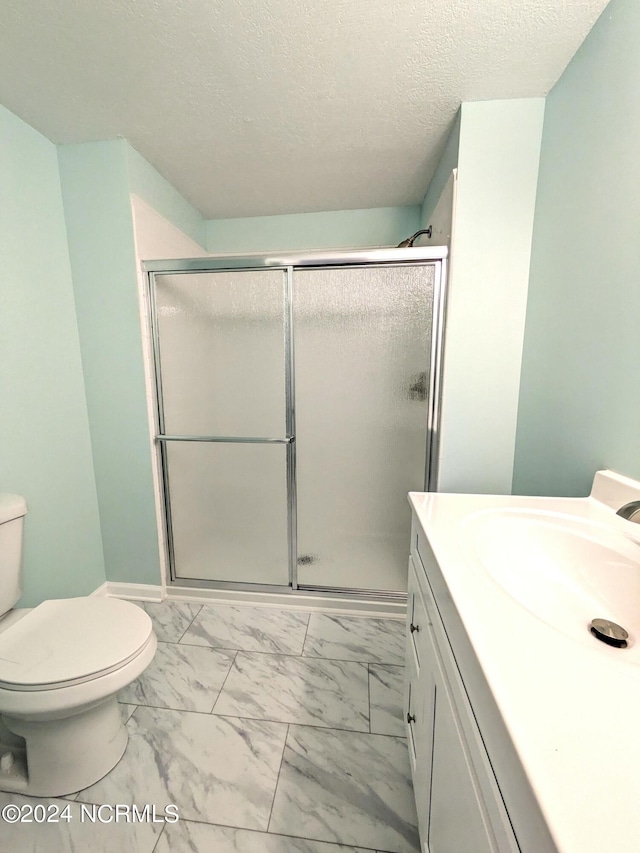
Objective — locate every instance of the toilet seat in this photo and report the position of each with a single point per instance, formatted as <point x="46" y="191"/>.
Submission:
<point x="71" y="641"/>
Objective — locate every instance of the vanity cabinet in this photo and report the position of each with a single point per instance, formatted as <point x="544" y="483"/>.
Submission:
<point x="458" y="801"/>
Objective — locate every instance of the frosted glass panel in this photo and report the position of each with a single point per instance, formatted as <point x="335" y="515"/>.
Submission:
<point x="222" y="352"/>
<point x="229" y="511"/>
<point x="362" y="358"/>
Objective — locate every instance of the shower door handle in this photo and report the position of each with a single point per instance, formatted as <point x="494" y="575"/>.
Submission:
<point x="227" y="439"/>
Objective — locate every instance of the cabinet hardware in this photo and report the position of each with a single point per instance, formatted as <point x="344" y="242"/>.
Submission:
<point x="413" y="627"/>
<point x="411" y="718"/>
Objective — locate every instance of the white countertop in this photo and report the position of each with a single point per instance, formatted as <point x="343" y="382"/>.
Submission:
<point x="572" y="709"/>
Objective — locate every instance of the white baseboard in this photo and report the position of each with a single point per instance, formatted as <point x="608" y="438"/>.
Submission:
<point x="134" y="591"/>
<point x="347" y="606"/>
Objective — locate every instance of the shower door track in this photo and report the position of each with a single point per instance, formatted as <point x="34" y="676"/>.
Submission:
<point x="287" y="263"/>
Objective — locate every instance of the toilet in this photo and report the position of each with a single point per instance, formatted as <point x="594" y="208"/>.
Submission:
<point x="62" y="664"/>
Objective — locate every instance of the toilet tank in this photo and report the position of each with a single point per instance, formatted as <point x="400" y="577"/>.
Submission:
<point x="13" y="509"/>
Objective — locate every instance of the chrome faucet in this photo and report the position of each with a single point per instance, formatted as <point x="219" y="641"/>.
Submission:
<point x="630" y="511"/>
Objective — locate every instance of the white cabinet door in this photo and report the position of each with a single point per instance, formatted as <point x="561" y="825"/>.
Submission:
<point x="459" y="803"/>
<point x="457" y="820"/>
<point x="454" y="814"/>
<point x="419" y="700"/>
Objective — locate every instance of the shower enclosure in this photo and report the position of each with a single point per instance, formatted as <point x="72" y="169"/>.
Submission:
<point x="297" y="406"/>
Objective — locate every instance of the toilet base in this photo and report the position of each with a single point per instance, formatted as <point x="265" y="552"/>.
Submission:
<point x="52" y="758"/>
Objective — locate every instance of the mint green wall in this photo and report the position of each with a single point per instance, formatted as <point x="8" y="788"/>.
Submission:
<point x="446" y="164"/>
<point x="45" y="450"/>
<point x="146" y="182"/>
<point x="95" y="191"/>
<point x="335" y="229"/>
<point x="580" y="391"/>
<point x="499" y="151"/>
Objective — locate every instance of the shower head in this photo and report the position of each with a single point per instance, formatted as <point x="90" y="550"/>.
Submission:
<point x="408" y="243"/>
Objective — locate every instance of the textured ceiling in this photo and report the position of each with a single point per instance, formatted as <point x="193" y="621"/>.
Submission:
<point x="254" y="107"/>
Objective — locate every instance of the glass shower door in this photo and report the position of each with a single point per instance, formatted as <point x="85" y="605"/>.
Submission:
<point x="362" y="364"/>
<point x="220" y="345"/>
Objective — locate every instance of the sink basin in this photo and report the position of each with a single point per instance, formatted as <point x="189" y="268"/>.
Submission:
<point x="563" y="569"/>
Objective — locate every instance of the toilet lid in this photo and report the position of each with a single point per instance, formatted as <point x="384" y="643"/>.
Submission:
<point x="71" y="640"/>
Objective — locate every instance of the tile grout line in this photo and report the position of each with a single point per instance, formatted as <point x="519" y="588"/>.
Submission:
<point x="289" y="655"/>
<point x="274" y="722"/>
<point x="369" y="692"/>
<point x="306" y="633"/>
<point x="301" y="725"/>
<point x="137" y="705"/>
<point x="191" y="623"/>
<point x="337" y="844"/>
<point x="275" y="789"/>
<point x="224" y="682"/>
<point x="350" y="660"/>
<point x="160" y="834"/>
<point x="283" y="654"/>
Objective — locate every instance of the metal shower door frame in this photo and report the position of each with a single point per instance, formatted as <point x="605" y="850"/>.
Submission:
<point x="288" y="263"/>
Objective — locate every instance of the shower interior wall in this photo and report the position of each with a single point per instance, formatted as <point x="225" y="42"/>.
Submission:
<point x="334" y="229"/>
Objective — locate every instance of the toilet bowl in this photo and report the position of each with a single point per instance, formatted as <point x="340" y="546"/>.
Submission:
<point x="61" y="667"/>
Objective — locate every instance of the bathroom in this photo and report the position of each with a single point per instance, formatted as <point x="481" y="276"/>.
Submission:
<point x="533" y="406"/>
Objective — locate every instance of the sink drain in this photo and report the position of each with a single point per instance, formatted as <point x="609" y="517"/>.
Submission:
<point x="609" y="633"/>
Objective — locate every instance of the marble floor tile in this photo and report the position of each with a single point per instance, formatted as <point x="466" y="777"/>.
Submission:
<point x="215" y="769"/>
<point x="355" y="638"/>
<point x="346" y="787"/>
<point x="386" y="692"/>
<point x="308" y="691"/>
<point x="249" y="628"/>
<point x="188" y="837"/>
<point x="78" y="834"/>
<point x="185" y="678"/>
<point x="170" y="618"/>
